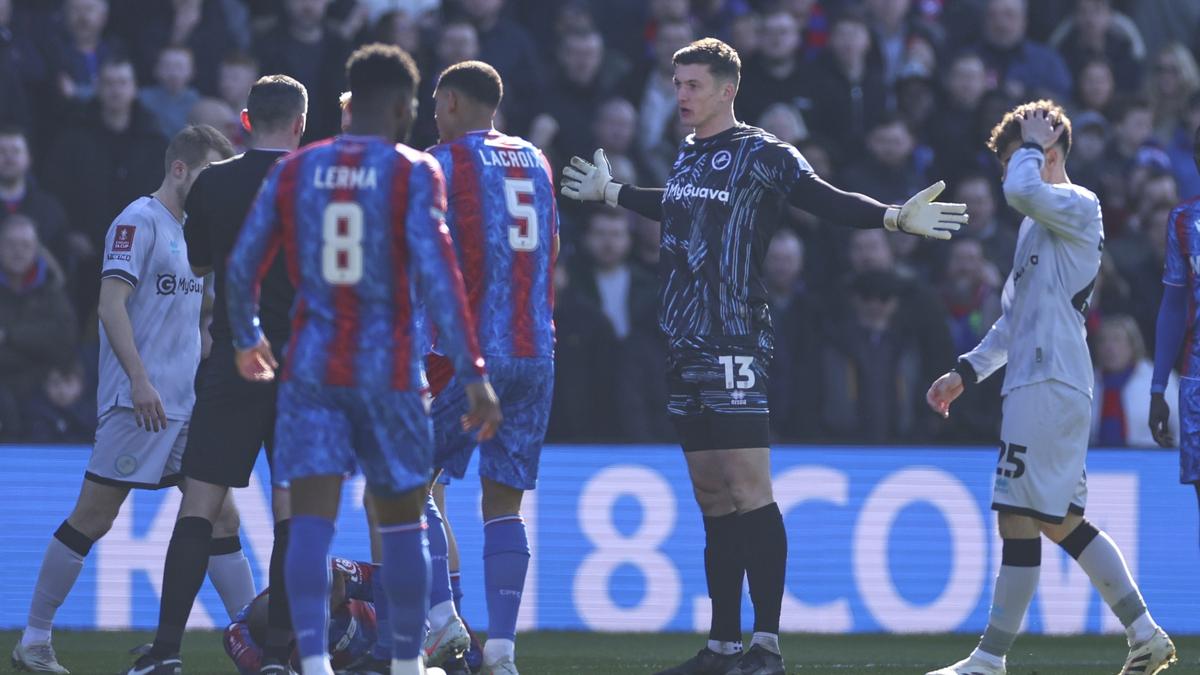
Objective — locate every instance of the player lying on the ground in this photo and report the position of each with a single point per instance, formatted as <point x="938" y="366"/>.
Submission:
<point x="1040" y="485"/>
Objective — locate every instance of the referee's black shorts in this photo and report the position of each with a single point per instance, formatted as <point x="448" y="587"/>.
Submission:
<point x="232" y="420"/>
<point x="718" y="398"/>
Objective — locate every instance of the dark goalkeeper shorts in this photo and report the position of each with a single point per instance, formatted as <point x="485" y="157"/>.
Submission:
<point x="718" y="399"/>
<point x="232" y="420"/>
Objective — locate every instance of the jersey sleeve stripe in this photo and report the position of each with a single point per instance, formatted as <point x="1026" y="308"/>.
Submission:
<point x="522" y="286"/>
<point x="339" y="369"/>
<point x="468" y="228"/>
<point x="402" y="376"/>
<point x="120" y="274"/>
<point x="285" y="208"/>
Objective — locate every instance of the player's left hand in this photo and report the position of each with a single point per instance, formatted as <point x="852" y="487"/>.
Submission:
<point x="943" y="392"/>
<point x="922" y="216"/>
<point x="483" y="412"/>
<point x="1160" y="414"/>
<point x="257" y="364"/>
<point x="590" y="182"/>
<point x="1040" y="127"/>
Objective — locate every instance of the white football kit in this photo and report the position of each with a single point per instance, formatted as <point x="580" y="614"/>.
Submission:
<point x="1041" y="337"/>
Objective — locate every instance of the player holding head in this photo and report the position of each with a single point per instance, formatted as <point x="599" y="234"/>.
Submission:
<point x="1179" y="287"/>
<point x="149" y="349"/>
<point x="232" y="418"/>
<point x="504" y="222"/>
<point x="722" y="203"/>
<point x="1040" y="485"/>
<point x="360" y="221"/>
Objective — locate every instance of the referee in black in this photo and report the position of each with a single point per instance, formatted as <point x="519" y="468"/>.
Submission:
<point x="233" y="418"/>
<point x="722" y="203"/>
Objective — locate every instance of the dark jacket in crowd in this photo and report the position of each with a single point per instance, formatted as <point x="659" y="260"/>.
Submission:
<point x="38" y="327"/>
<point x="320" y="67"/>
<point x="44" y="422"/>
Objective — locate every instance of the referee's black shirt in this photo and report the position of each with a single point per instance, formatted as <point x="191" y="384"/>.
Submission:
<point x="216" y="208"/>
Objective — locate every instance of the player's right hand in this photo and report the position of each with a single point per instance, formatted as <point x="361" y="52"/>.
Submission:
<point x="257" y="364"/>
<point x="943" y="392"/>
<point x="590" y="182"/>
<point x="147" y="406"/>
<point x="924" y="217"/>
<point x="483" y="412"/>
<point x="1160" y="414"/>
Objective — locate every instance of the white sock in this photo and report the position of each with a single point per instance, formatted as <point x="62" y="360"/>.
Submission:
<point x="725" y="647"/>
<point x="441" y="614"/>
<point x="990" y="659"/>
<point x="34" y="636"/>
<point x="495" y="651"/>
<point x="768" y="641"/>
<point x="1139" y="631"/>
<point x="60" y="568"/>
<point x="231" y="576"/>
<point x="406" y="667"/>
<point x="316" y="665"/>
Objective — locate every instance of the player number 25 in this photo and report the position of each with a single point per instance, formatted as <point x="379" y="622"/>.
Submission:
<point x="744" y="377"/>
<point x="523" y="231"/>
<point x="342" y="253"/>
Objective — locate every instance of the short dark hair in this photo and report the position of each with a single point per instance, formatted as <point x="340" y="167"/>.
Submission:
<point x="274" y="101"/>
<point x="722" y="60"/>
<point x="14" y="130"/>
<point x="1008" y="129"/>
<point x="476" y="79"/>
<point x="1127" y="105"/>
<point x="192" y="145"/>
<point x="376" y="68"/>
<point x="238" y="57"/>
<point x="116" y="59"/>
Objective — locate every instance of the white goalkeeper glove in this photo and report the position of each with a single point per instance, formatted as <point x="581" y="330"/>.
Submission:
<point x="922" y="216"/>
<point x="590" y="182"/>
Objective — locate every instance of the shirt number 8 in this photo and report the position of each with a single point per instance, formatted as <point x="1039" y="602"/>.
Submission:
<point x="342" y="254"/>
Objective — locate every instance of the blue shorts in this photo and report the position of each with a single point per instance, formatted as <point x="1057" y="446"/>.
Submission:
<point x="322" y="430"/>
<point x="525" y="388"/>
<point x="1189" y="430"/>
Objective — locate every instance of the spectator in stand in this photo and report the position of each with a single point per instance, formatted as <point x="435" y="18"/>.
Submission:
<point x="172" y="97"/>
<point x="888" y="171"/>
<point x="1180" y="150"/>
<point x="626" y="294"/>
<point x="785" y="122"/>
<point x="916" y="103"/>
<point x="1093" y="33"/>
<point x="237" y="73"/>
<point x="745" y="35"/>
<point x="14" y="104"/>
<point x="775" y="74"/>
<point x="657" y="107"/>
<point x="1121" y="404"/>
<point x="1026" y="69"/>
<point x="895" y="30"/>
<point x="80" y="49"/>
<point x="37" y="323"/>
<point x="576" y="91"/>
<point x="399" y="28"/>
<point x="997" y="239"/>
<point x="1132" y="127"/>
<point x="614" y="130"/>
<point x="100" y="165"/>
<point x="846" y="93"/>
<point x="971" y="291"/>
<point x="62" y="410"/>
<point x="796" y="314"/>
<point x="957" y="145"/>
<point x="1089" y="164"/>
<point x="209" y="29"/>
<point x="507" y="46"/>
<point x="457" y="41"/>
<point x="19" y="193"/>
<point x="871" y="370"/>
<point x="217" y="114"/>
<point x="302" y="46"/>
<point x="1174" y="78"/>
<point x="1095" y="87"/>
<point x="585" y="379"/>
<point x="1139" y="261"/>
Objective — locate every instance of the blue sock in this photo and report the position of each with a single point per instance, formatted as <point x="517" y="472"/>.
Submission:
<point x="456" y="591"/>
<point x="382" y="649"/>
<point x="406" y="578"/>
<point x="308" y="574"/>
<point x="439" y="549"/>
<point x="505" y="562"/>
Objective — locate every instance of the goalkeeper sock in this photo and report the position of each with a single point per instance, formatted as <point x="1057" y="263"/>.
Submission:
<point x="1020" y="567"/>
<point x="724" y="572"/>
<point x="766" y="564"/>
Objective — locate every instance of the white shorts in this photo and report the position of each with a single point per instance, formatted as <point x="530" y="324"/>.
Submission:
<point x="1043" y="448"/>
<point x="126" y="455"/>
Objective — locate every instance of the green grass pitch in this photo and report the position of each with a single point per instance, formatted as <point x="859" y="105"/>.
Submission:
<point x="550" y="653"/>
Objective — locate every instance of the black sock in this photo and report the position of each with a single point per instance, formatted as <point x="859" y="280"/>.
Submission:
<point x="766" y="563"/>
<point x="183" y="573"/>
<point x="279" y="619"/>
<point x="724" y="571"/>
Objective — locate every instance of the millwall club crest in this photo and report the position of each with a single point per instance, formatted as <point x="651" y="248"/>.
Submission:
<point x="721" y="160"/>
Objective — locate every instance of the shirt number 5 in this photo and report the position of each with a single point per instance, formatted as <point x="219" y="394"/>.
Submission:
<point x="744" y="377"/>
<point x="523" y="231"/>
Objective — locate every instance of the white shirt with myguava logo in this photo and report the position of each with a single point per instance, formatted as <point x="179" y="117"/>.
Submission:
<point x="145" y="248"/>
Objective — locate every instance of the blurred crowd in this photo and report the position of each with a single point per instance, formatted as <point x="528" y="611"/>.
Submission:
<point x="881" y="96"/>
